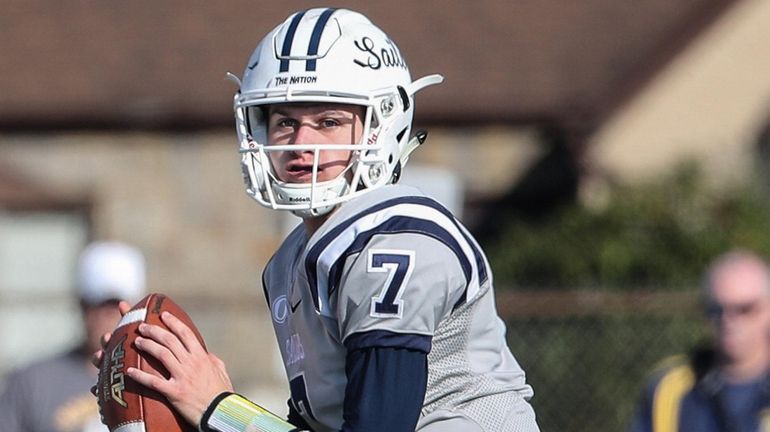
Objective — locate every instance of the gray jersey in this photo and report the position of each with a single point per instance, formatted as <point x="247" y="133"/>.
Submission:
<point x="392" y="260"/>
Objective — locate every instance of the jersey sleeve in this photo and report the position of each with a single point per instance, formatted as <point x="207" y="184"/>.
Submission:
<point x="398" y="265"/>
<point x="385" y="389"/>
<point x="399" y="284"/>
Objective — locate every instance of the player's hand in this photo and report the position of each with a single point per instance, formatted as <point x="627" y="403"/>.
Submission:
<point x="196" y="376"/>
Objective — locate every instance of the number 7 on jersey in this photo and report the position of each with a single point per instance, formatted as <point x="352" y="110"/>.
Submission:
<point x="398" y="264"/>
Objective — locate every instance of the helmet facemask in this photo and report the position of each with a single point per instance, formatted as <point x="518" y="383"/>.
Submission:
<point x="369" y="165"/>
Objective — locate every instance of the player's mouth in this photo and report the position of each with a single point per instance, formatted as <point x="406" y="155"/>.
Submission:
<point x="301" y="173"/>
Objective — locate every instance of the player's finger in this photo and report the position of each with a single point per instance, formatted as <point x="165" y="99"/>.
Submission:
<point x="160" y="352"/>
<point x="159" y="384"/>
<point x="96" y="358"/>
<point x="165" y="338"/>
<point x="105" y="339"/>
<point x="124" y="307"/>
<point x="183" y="332"/>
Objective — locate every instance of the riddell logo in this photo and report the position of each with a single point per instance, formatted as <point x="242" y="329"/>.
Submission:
<point x="299" y="199"/>
<point x="117" y="380"/>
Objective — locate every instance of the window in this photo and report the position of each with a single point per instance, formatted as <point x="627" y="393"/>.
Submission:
<point x="39" y="245"/>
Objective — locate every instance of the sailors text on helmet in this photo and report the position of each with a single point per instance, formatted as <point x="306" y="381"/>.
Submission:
<point x="387" y="56"/>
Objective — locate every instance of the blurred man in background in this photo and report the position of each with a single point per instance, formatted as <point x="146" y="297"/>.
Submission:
<point x="53" y="395"/>
<point x="724" y="388"/>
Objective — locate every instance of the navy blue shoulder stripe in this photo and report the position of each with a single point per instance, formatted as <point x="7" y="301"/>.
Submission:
<point x="315" y="38"/>
<point x="480" y="263"/>
<point x="397" y="224"/>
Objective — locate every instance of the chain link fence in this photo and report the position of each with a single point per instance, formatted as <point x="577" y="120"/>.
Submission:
<point x="588" y="353"/>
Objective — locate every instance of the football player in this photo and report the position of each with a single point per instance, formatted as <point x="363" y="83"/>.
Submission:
<point x="381" y="301"/>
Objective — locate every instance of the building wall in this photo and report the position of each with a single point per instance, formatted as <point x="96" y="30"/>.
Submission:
<point x="181" y="200"/>
<point x="709" y="104"/>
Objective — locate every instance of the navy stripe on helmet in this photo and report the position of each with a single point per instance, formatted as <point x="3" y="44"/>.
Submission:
<point x="315" y="38"/>
<point x="289" y="39"/>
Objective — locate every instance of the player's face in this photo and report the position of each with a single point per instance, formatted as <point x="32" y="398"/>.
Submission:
<point x="290" y="124"/>
<point x="740" y="312"/>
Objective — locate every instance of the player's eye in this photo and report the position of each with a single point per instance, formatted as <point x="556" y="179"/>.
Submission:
<point x="330" y="123"/>
<point x="286" y="123"/>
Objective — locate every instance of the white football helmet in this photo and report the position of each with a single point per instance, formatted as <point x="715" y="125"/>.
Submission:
<point x="327" y="55"/>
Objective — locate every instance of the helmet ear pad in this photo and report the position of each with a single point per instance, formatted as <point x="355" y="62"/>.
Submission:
<point x="386" y="142"/>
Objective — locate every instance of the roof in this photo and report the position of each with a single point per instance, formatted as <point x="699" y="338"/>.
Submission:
<point x="162" y="63"/>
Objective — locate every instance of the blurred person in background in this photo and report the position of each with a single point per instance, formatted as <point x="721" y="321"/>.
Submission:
<point x="53" y="394"/>
<point x="724" y="387"/>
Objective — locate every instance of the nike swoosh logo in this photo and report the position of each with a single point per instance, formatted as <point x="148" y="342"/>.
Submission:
<point x="294" y="306"/>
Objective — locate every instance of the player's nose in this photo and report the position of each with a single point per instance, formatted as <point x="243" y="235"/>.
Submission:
<point x="305" y="134"/>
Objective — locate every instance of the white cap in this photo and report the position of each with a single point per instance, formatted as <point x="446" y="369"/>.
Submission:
<point x="110" y="271"/>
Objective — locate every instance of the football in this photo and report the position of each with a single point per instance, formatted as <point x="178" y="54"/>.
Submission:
<point x="126" y="405"/>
